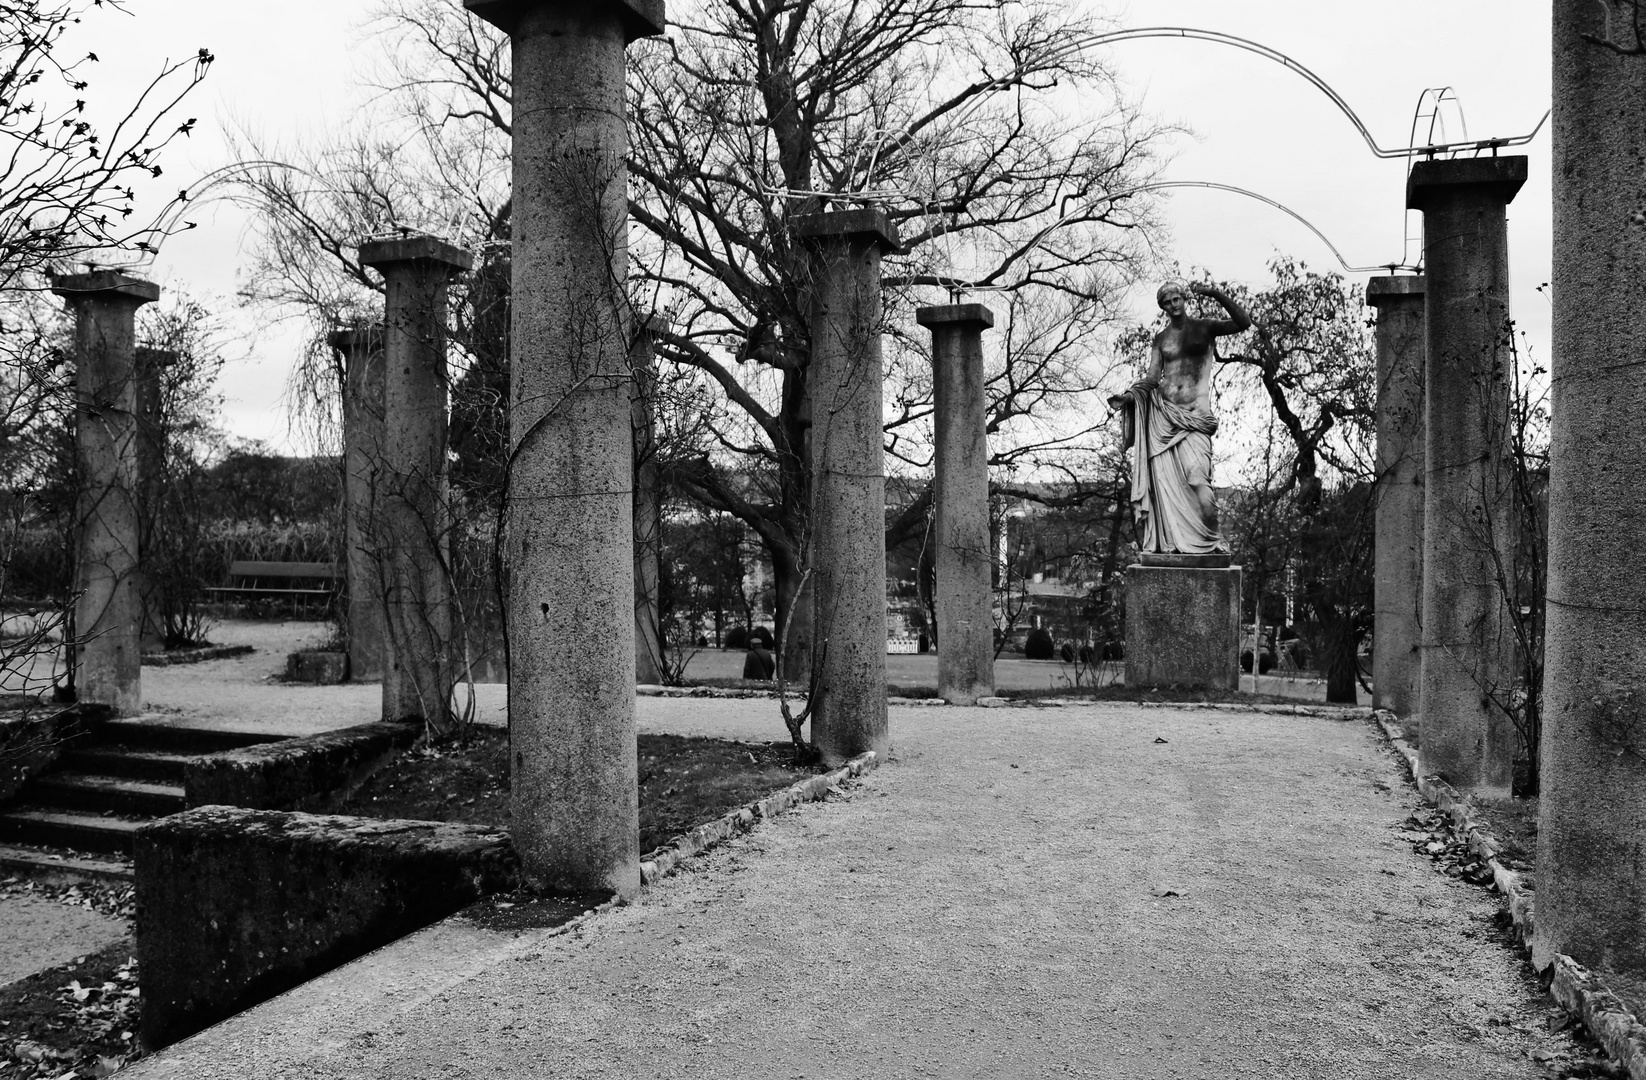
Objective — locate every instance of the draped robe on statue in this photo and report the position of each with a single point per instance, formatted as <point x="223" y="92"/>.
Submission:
<point x="1173" y="446"/>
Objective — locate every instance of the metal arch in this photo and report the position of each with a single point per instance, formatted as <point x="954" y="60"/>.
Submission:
<point x="1217" y="37"/>
<point x="1293" y="214"/>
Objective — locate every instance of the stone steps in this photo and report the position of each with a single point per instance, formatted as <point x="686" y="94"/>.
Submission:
<point x="120" y="776"/>
<point x="90" y="792"/>
<point x="50" y="827"/>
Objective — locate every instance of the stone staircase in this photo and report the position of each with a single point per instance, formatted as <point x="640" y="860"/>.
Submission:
<point x="109" y="783"/>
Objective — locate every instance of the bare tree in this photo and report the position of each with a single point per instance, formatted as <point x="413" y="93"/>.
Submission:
<point x="69" y="180"/>
<point x="1310" y="358"/>
<point x="1007" y="164"/>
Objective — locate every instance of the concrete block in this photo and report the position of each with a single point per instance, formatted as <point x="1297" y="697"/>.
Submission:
<point x="1183" y="627"/>
<point x="312" y="773"/>
<point x="324" y="668"/>
<point x="235" y="906"/>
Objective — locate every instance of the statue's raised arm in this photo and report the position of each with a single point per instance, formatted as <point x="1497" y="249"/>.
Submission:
<point x="1168" y="420"/>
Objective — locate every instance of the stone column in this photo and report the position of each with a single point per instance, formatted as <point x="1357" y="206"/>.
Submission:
<point x="361" y="349"/>
<point x="571" y="511"/>
<point x="964" y="600"/>
<point x="1591" y="893"/>
<point x="414" y="516"/>
<point x="1467" y="647"/>
<point x="648" y="516"/>
<point x="1400" y="471"/>
<point x="848" y="542"/>
<point x="108" y="611"/>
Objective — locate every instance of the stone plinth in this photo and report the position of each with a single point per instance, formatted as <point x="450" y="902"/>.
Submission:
<point x="570" y="514"/>
<point x="848" y="546"/>
<point x="1467" y="648"/>
<point x="648" y="518"/>
<point x="1183" y="627"/>
<point x="964" y="599"/>
<point x="1591" y="893"/>
<point x="414" y="522"/>
<point x="108" y="612"/>
<point x="1400" y="473"/>
<point x="362" y="354"/>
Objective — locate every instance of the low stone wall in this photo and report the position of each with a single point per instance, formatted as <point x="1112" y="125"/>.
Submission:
<point x="316" y="772"/>
<point x="235" y="906"/>
<point x="195" y="656"/>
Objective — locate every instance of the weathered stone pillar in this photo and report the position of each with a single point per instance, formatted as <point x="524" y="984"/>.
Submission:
<point x="414" y="518"/>
<point x="1400" y="470"/>
<point x="848" y="543"/>
<point x="361" y="349"/>
<point x="648" y="516"/>
<point x="964" y="600"/>
<point x="108" y="612"/>
<point x="1467" y="648"/>
<point x="1591" y="888"/>
<point x="571" y="511"/>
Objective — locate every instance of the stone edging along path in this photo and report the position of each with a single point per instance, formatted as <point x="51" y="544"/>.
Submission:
<point x="665" y="859"/>
<point x="1574" y="987"/>
<point x="1335" y="712"/>
<point x="195" y="656"/>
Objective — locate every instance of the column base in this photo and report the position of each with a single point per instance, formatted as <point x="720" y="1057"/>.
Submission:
<point x="1183" y="627"/>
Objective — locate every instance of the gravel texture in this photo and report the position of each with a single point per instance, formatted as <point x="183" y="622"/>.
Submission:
<point x="1016" y="892"/>
<point x="38" y="932"/>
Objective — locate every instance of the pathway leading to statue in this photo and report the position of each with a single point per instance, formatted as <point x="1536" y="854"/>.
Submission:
<point x="1018" y="892"/>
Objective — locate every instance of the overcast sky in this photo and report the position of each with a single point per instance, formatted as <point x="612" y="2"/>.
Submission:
<point x="296" y="67"/>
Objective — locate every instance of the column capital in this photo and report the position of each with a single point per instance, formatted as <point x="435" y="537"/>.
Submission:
<point x="641" y="18"/>
<point x="385" y="251"/>
<point x="955" y="315"/>
<point x="106" y="283"/>
<point x="1501" y="177"/>
<point x="870" y="221"/>
<point x="354" y="337"/>
<point x="1388" y="289"/>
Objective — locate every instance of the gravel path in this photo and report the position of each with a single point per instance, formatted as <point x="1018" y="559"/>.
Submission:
<point x="37" y="932"/>
<point x="1047" y="892"/>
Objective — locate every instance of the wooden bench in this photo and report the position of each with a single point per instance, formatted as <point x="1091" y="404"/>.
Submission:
<point x="254" y="581"/>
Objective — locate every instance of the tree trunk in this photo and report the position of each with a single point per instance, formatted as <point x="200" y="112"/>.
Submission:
<point x="1339" y="642"/>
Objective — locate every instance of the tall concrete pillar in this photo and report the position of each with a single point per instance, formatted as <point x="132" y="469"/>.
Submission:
<point x="1591" y="843"/>
<point x="848" y="542"/>
<point x="1467" y="648"/>
<point x="1400" y="472"/>
<point x="414" y="520"/>
<point x="361" y="349"/>
<point x="964" y="600"/>
<point x="570" y="510"/>
<point x="108" y="610"/>
<point x="648" y="515"/>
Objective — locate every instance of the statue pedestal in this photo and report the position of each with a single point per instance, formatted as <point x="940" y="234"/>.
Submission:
<point x="1183" y="626"/>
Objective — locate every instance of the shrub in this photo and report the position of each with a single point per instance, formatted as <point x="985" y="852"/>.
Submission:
<point x="737" y="638"/>
<point x="1066" y="651"/>
<point x="760" y="637"/>
<point x="1038" y="646"/>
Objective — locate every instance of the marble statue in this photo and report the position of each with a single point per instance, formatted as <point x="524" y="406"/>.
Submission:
<point x="1168" y="416"/>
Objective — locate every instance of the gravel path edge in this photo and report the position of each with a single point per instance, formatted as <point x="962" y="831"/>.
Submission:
<point x="666" y="859"/>
<point x="1573" y="987"/>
